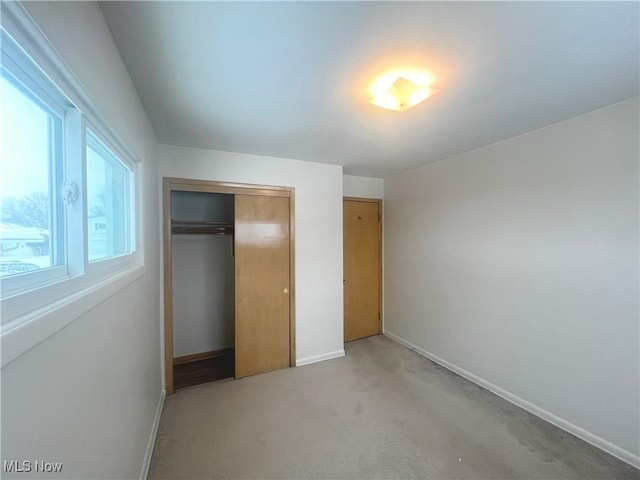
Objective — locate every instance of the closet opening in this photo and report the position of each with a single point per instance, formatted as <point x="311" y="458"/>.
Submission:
<point x="203" y="280"/>
<point x="229" y="289"/>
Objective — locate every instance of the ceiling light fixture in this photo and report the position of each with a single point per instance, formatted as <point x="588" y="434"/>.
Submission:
<point x="401" y="90"/>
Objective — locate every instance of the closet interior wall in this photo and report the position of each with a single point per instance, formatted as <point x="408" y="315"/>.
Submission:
<point x="203" y="273"/>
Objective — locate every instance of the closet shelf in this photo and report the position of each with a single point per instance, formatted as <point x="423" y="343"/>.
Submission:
<point x="182" y="227"/>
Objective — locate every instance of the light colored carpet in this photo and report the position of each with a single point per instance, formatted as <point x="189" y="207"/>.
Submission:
<point x="382" y="411"/>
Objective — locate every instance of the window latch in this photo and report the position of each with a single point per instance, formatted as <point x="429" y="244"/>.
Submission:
<point x="70" y="193"/>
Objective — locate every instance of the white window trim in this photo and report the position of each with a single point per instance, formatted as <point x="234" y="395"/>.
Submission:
<point x="17" y="284"/>
<point x="32" y="315"/>
<point x="112" y="263"/>
<point x="27" y="331"/>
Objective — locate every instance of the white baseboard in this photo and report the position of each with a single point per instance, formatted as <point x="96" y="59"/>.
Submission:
<point x="144" y="472"/>
<point x="588" y="437"/>
<point x="319" y="358"/>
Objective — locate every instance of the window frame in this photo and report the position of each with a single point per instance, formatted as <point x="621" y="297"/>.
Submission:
<point x="42" y="294"/>
<point x="22" y="73"/>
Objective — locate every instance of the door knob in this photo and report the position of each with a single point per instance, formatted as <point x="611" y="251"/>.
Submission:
<point x="286" y="290"/>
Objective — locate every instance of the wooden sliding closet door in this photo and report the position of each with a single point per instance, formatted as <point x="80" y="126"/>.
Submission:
<point x="262" y="283"/>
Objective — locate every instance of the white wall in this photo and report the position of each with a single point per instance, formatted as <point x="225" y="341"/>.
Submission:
<point x="518" y="263"/>
<point x="365" y="187"/>
<point x="87" y="396"/>
<point x="318" y="233"/>
<point x="203" y="293"/>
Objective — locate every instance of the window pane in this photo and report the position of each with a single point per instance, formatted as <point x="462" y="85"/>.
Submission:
<point x="108" y="202"/>
<point x="29" y="141"/>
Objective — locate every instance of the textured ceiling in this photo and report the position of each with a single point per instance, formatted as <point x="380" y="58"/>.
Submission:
<point x="290" y="79"/>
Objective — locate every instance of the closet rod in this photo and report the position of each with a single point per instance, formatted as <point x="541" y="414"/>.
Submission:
<point x="185" y="227"/>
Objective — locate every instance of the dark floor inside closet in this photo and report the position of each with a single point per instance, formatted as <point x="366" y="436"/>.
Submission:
<point x="195" y="372"/>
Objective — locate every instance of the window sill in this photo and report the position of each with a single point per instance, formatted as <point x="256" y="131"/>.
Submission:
<point x="23" y="333"/>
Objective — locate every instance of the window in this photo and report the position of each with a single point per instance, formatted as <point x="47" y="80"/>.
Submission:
<point x="30" y="233"/>
<point x="66" y="191"/>
<point x="108" y="202"/>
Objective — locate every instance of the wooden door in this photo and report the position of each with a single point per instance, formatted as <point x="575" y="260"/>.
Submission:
<point x="262" y="242"/>
<point x="362" y="273"/>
